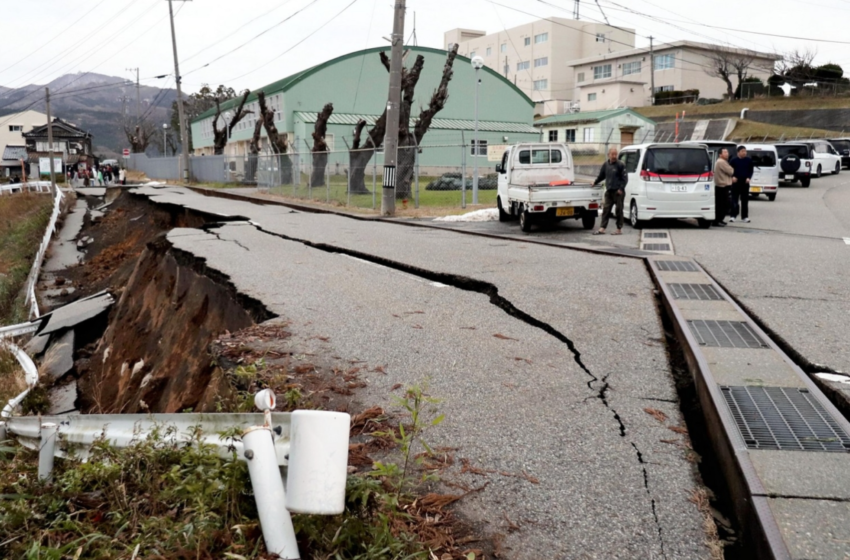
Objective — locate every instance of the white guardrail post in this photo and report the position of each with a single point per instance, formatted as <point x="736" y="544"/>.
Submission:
<point x="46" y="450"/>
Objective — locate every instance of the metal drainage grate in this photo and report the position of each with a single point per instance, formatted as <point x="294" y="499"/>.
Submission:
<point x="656" y="235"/>
<point x="726" y="334"/>
<point x="676" y="266"/>
<point x="784" y="418"/>
<point x="703" y="292"/>
<point x="656" y="246"/>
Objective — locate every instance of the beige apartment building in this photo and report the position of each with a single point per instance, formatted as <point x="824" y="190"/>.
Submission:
<point x="622" y="79"/>
<point x="537" y="56"/>
<point x="12" y="143"/>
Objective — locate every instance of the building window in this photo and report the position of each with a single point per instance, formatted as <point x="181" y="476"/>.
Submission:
<point x="45" y="146"/>
<point x="580" y="77"/>
<point x="489" y="51"/>
<point x="600" y="37"/>
<point x="482" y="148"/>
<point x="600" y="72"/>
<point x="523" y="65"/>
<point x="570" y="135"/>
<point x="504" y="48"/>
<point x="540" y="85"/>
<point x="16" y="128"/>
<point x="526" y="41"/>
<point x="591" y="97"/>
<point x="541" y="38"/>
<point x="631" y="68"/>
<point x="664" y="61"/>
<point x="553" y="135"/>
<point x="663" y="88"/>
<point x="588" y="135"/>
<point x="544" y="61"/>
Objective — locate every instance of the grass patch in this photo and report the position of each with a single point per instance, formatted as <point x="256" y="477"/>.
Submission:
<point x="757" y="132"/>
<point x="734" y="107"/>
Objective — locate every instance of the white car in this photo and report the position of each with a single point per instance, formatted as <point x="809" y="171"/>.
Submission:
<point x="766" y="173"/>
<point x="827" y="159"/>
<point x="669" y="181"/>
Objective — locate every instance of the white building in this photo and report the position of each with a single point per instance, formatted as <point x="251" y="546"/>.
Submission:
<point x="537" y="56"/>
<point x="622" y="79"/>
<point x="593" y="132"/>
<point x="12" y="136"/>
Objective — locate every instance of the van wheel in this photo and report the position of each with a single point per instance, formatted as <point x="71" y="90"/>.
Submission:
<point x="634" y="220"/>
<point x="837" y="169"/>
<point x="820" y="172"/>
<point x="524" y="220"/>
<point x="503" y="216"/>
<point x="805" y="182"/>
<point x="588" y="220"/>
<point x="771" y="197"/>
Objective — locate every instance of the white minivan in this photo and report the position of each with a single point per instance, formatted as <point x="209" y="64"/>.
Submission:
<point x="827" y="159"/>
<point x="766" y="173"/>
<point x="669" y="181"/>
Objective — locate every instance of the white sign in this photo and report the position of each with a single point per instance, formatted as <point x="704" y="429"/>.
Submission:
<point x="496" y="151"/>
<point x="44" y="165"/>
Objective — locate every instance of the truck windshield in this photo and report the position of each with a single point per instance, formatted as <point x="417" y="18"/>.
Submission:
<point x="677" y="161"/>
<point x="762" y="158"/>
<point x="801" y="152"/>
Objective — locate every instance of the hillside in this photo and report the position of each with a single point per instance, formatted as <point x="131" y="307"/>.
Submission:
<point x="733" y="108"/>
<point x="93" y="102"/>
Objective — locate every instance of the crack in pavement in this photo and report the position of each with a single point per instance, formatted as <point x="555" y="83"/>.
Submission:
<point x="492" y="291"/>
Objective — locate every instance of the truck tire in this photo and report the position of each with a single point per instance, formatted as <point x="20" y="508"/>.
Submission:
<point x="524" y="220"/>
<point x="805" y="182"/>
<point x="634" y="220"/>
<point x="771" y="197"/>
<point x="503" y="216"/>
<point x="588" y="220"/>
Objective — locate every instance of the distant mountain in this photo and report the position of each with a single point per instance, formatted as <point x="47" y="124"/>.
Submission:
<point x="94" y="102"/>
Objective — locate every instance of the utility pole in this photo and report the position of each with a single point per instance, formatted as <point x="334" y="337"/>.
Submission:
<point x="575" y="9"/>
<point x="393" y="109"/>
<point x="181" y="115"/>
<point x="138" y="97"/>
<point x="651" y="71"/>
<point x="49" y="140"/>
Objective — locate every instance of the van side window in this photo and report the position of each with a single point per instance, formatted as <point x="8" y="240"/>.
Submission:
<point x="525" y="157"/>
<point x="630" y="159"/>
<point x="556" y="156"/>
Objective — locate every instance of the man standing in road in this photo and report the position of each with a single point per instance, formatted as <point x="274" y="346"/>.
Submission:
<point x="723" y="176"/>
<point x="743" y="166"/>
<point x="614" y="174"/>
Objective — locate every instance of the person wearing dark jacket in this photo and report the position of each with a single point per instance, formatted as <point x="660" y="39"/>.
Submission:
<point x="744" y="168"/>
<point x="614" y="174"/>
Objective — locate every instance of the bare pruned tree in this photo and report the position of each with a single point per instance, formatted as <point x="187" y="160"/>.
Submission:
<point x="741" y="63"/>
<point x="220" y="136"/>
<point x="277" y="141"/>
<point x="140" y="136"/>
<point x="720" y="66"/>
<point x="320" y="147"/>
<point x="254" y="151"/>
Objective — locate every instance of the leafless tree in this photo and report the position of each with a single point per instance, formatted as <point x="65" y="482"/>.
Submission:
<point x="254" y="152"/>
<point x="140" y="136"/>
<point x="277" y="141"/>
<point x="741" y="63"/>
<point x="721" y="66"/>
<point x="320" y="147"/>
<point x="220" y="136"/>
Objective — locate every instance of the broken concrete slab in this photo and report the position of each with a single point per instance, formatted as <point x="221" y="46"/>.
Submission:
<point x="37" y="344"/>
<point x="63" y="398"/>
<point x="75" y="313"/>
<point x="92" y="191"/>
<point x="59" y="358"/>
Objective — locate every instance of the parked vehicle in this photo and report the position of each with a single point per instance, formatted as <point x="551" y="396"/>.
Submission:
<point x="669" y="181"/>
<point x="827" y="159"/>
<point x="537" y="185"/>
<point x="842" y="146"/>
<point x="766" y="174"/>
<point x="796" y="160"/>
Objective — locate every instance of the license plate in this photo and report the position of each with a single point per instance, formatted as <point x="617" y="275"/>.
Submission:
<point x="565" y="212"/>
<point x="789" y="177"/>
<point x="755" y="189"/>
<point x="679" y="188"/>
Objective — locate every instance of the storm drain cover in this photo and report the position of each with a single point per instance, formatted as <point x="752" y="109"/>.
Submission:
<point x="784" y="418"/>
<point x="656" y="246"/>
<point x="656" y="235"/>
<point x="726" y="334"/>
<point x="676" y="266"/>
<point x="704" y="292"/>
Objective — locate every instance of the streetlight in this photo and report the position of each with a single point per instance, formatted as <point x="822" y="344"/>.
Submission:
<point x="164" y="132"/>
<point x="478" y="64"/>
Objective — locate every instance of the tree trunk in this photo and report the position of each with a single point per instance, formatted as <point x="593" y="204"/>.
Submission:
<point x="359" y="157"/>
<point x="320" y="147"/>
<point x="253" y="153"/>
<point x="278" y="141"/>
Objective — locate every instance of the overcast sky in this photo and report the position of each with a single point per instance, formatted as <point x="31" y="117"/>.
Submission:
<point x="40" y="43"/>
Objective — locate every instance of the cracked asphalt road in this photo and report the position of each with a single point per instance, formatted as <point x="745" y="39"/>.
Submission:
<point x="558" y="394"/>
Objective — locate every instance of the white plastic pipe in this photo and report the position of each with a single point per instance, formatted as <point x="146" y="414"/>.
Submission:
<point x="46" y="448"/>
<point x="275" y="521"/>
<point x="318" y="462"/>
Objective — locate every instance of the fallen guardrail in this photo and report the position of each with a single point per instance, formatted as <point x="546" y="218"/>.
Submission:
<point x="32" y="279"/>
<point x="312" y="444"/>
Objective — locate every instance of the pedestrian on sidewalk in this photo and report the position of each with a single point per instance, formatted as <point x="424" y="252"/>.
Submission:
<point x="614" y="174"/>
<point x="122" y="177"/>
<point x="99" y="178"/>
<point x="744" y="168"/>
<point x="723" y="176"/>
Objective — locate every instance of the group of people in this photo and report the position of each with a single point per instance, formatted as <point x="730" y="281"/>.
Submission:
<point x="97" y="175"/>
<point x="732" y="186"/>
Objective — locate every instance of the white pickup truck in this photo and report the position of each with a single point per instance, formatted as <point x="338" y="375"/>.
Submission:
<point x="537" y="184"/>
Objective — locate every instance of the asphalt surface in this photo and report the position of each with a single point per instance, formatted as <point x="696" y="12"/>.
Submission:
<point x="547" y="372"/>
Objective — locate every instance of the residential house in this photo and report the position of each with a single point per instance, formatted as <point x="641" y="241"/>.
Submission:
<point x="71" y="143"/>
<point x="593" y="132"/>
<point x="12" y="145"/>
